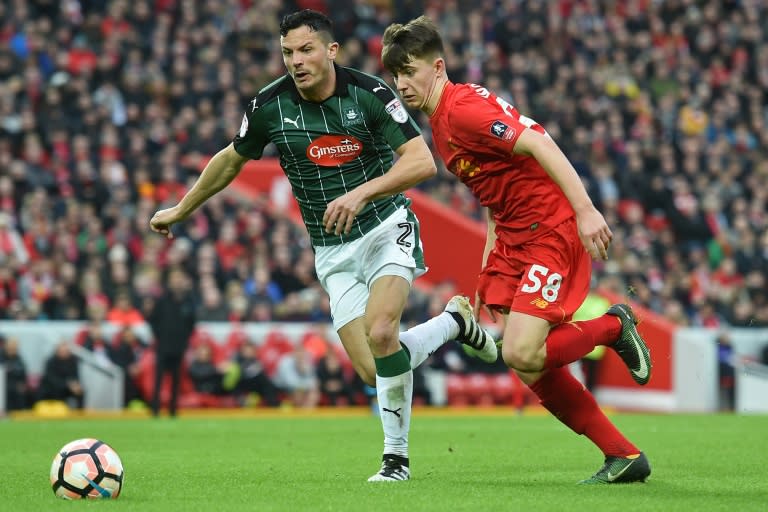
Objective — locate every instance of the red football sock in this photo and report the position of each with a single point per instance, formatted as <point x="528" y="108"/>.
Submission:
<point x="572" y="404"/>
<point x="571" y="341"/>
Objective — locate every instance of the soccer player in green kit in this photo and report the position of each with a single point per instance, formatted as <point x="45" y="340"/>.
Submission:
<point x="335" y="129"/>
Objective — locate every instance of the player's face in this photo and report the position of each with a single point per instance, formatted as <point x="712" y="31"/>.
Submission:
<point x="415" y="82"/>
<point x="308" y="58"/>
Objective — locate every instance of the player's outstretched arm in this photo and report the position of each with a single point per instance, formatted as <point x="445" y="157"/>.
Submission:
<point x="218" y="173"/>
<point x="415" y="165"/>
<point x="593" y="230"/>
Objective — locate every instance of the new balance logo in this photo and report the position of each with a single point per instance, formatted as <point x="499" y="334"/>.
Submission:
<point x="293" y="122"/>
<point x="396" y="412"/>
<point x="379" y="88"/>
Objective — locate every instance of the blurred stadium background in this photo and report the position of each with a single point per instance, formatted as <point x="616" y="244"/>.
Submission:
<point x="110" y="108"/>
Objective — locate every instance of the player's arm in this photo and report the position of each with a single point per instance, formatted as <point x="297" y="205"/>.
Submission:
<point x="490" y="242"/>
<point x="218" y="173"/>
<point x="593" y="230"/>
<point x="414" y="165"/>
<point x="490" y="236"/>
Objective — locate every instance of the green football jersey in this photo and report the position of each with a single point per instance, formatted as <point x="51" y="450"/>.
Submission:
<point x="327" y="149"/>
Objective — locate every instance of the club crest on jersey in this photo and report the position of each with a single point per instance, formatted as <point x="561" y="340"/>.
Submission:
<point x="464" y="167"/>
<point x="502" y="130"/>
<point x="332" y="150"/>
<point x="351" y="116"/>
<point x="243" y="126"/>
<point x="395" y="109"/>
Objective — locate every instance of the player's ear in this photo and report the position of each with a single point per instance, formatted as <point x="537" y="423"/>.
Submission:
<point x="333" y="50"/>
<point x="439" y="66"/>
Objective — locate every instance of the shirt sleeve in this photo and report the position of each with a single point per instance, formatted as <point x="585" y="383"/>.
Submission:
<point x="391" y="117"/>
<point x="252" y="136"/>
<point x="486" y="126"/>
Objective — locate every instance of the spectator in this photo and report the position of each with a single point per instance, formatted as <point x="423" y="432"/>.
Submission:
<point x="726" y="373"/>
<point x="296" y="375"/>
<point x="253" y="378"/>
<point x="17" y="391"/>
<point x="94" y="339"/>
<point x="333" y="380"/>
<point x="61" y="378"/>
<point x="11" y="244"/>
<point x="125" y="352"/>
<point x="124" y="313"/>
<point x="650" y="96"/>
<point x="206" y="376"/>
<point x="172" y="320"/>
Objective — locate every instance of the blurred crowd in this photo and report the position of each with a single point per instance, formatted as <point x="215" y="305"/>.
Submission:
<point x="108" y="108"/>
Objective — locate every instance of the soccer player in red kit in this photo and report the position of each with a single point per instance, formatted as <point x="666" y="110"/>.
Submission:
<point x="543" y="231"/>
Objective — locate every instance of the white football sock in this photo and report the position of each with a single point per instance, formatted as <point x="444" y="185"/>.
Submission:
<point x="422" y="340"/>
<point x="394" y="395"/>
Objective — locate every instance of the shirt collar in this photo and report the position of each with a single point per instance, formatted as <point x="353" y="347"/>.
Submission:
<point x="343" y="79"/>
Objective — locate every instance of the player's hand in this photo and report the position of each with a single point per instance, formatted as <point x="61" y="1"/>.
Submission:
<point x="594" y="233"/>
<point x="341" y="212"/>
<point x="162" y="221"/>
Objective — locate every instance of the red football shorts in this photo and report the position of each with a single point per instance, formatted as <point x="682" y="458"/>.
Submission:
<point x="547" y="277"/>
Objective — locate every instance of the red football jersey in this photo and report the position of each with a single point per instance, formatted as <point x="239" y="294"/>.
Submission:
<point x="474" y="132"/>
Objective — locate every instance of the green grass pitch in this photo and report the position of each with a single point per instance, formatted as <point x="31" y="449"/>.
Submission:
<point x="318" y="462"/>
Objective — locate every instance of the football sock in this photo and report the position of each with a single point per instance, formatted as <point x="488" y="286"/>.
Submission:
<point x="567" y="399"/>
<point x="394" y="391"/>
<point x="571" y="341"/>
<point x="422" y="340"/>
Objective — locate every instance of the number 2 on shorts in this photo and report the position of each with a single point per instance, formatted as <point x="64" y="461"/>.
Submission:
<point x="550" y="290"/>
<point x="407" y="230"/>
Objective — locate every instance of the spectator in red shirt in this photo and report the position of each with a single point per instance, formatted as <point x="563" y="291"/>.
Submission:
<point x="123" y="313"/>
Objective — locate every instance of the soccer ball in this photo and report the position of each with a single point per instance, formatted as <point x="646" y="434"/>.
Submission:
<point x="86" y="468"/>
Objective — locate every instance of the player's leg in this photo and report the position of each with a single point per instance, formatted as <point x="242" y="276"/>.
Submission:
<point x="175" y="369"/>
<point x="353" y="338"/>
<point x="548" y="291"/>
<point x="397" y="243"/>
<point x="394" y="376"/>
<point x="456" y="322"/>
<point x="570" y="402"/>
<point x="617" y="329"/>
<point x="156" y="385"/>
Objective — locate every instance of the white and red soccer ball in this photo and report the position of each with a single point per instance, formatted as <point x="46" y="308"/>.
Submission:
<point x="87" y="468"/>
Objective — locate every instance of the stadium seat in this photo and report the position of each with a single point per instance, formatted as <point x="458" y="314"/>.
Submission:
<point x="479" y="389"/>
<point x="236" y="338"/>
<point x="275" y="345"/>
<point x="456" y="389"/>
<point x="503" y="388"/>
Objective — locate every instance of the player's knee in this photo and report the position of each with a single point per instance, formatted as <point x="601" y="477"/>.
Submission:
<point x="521" y="358"/>
<point x="382" y="334"/>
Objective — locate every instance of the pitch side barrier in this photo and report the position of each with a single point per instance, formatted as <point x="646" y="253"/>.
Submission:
<point x="685" y="361"/>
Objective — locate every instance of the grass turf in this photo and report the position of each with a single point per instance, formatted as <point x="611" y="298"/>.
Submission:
<point x="320" y="463"/>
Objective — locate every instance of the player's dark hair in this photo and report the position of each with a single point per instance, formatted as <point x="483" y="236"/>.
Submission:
<point x="417" y="39"/>
<point x="314" y="20"/>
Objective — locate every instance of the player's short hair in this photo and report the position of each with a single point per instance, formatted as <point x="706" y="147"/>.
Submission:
<point x="314" y="20"/>
<point x="417" y="39"/>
